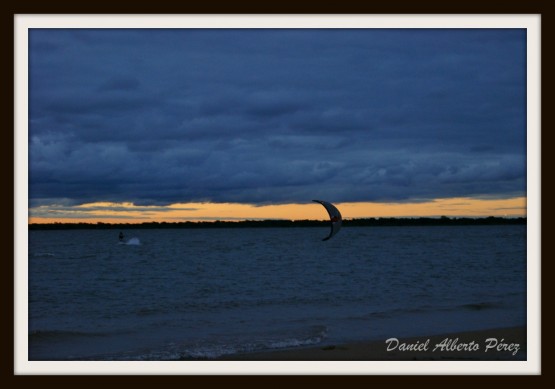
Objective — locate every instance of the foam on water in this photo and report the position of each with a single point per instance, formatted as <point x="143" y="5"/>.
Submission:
<point x="133" y="242"/>
<point x="213" y="348"/>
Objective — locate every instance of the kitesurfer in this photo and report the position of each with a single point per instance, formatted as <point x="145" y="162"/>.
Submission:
<point x="121" y="236"/>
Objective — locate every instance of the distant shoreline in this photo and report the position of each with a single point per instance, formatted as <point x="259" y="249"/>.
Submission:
<point x="365" y="222"/>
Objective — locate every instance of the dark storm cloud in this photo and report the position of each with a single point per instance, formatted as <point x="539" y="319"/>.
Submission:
<point x="121" y="83"/>
<point x="66" y="209"/>
<point x="261" y="116"/>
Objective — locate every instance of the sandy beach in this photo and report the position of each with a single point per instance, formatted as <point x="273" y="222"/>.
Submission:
<point x="491" y="344"/>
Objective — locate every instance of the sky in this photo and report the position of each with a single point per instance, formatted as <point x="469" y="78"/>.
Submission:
<point x="134" y="125"/>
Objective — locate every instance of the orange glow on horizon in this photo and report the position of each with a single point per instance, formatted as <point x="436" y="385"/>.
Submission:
<point x="129" y="213"/>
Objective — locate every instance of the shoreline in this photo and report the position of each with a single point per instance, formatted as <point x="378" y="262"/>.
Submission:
<point x="285" y="223"/>
<point x="497" y="344"/>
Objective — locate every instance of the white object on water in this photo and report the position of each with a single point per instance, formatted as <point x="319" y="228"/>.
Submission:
<point x="133" y="242"/>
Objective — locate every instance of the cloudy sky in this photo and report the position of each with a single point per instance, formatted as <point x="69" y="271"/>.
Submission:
<point x="142" y="123"/>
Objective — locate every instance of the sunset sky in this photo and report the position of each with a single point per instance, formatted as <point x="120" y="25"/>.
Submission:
<point x="134" y="125"/>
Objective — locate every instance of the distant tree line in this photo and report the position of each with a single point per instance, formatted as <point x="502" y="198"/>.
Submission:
<point x="366" y="222"/>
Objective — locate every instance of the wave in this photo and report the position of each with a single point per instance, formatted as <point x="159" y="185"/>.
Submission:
<point x="149" y="311"/>
<point x="40" y="335"/>
<point x="43" y="255"/>
<point x="485" y="305"/>
<point x="81" y="256"/>
<point x="203" y="304"/>
<point x="481" y="306"/>
<point x="310" y="336"/>
<point x="207" y="350"/>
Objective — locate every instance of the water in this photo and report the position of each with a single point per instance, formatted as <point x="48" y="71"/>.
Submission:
<point x="203" y="293"/>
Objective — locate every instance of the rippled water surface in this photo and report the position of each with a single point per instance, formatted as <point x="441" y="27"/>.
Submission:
<point x="190" y="293"/>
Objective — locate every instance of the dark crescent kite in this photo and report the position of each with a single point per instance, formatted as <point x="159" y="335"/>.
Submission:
<point x="335" y="217"/>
